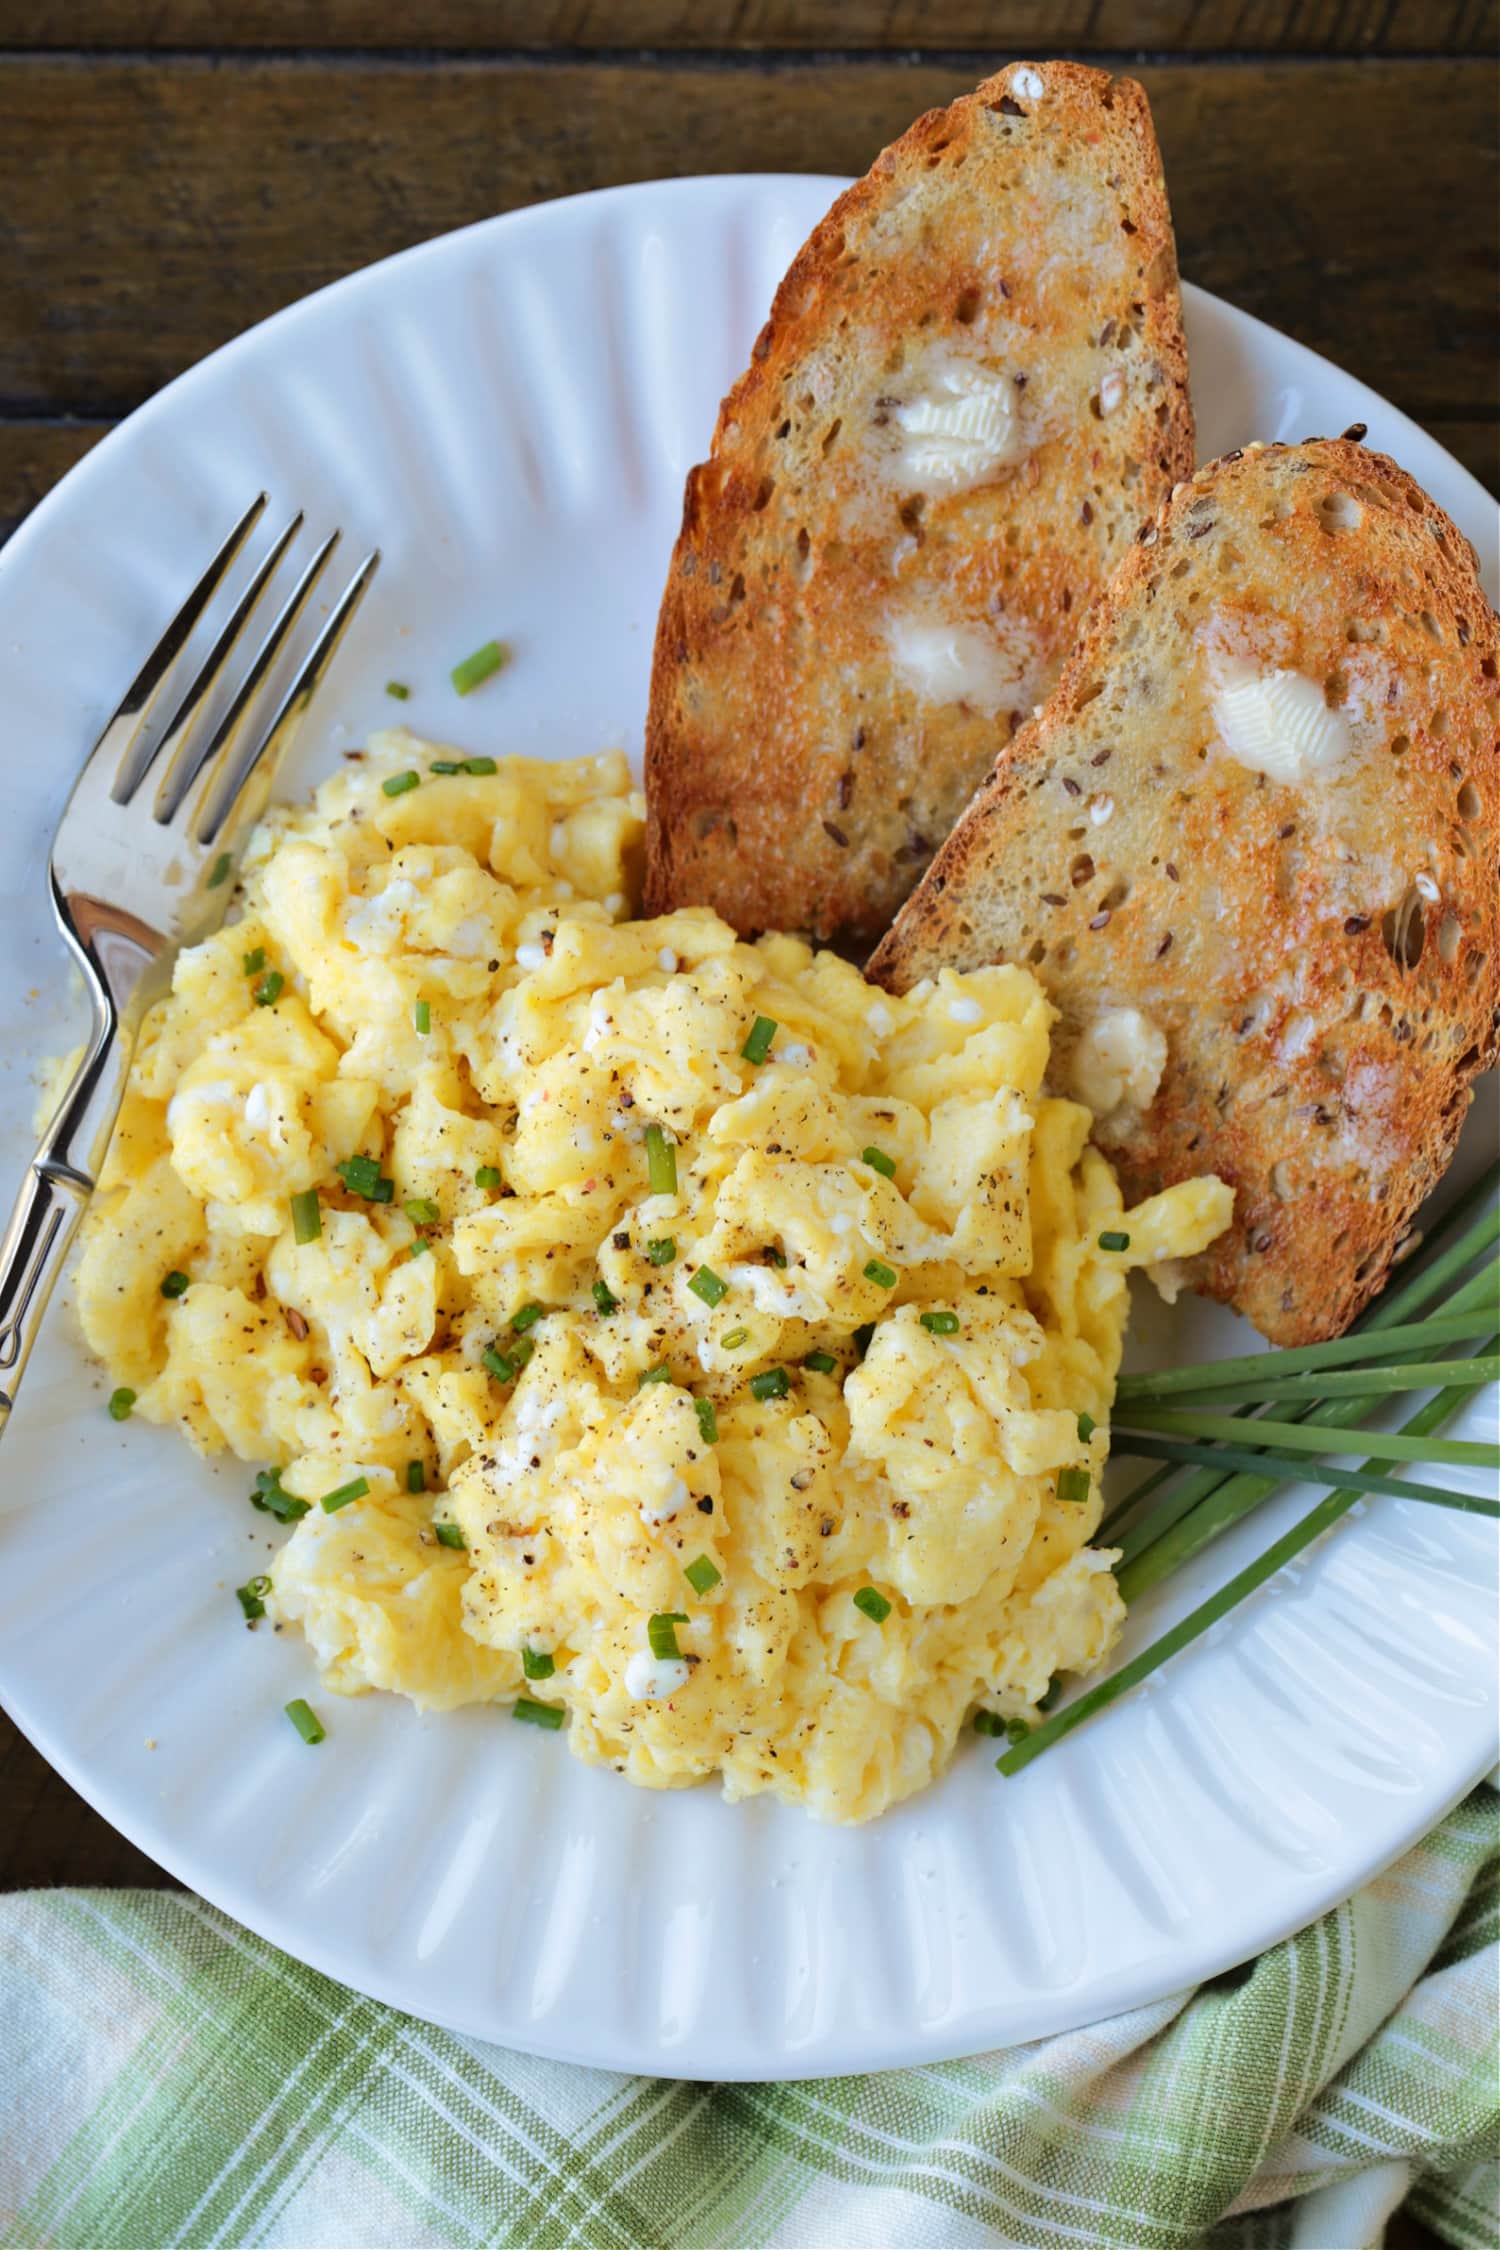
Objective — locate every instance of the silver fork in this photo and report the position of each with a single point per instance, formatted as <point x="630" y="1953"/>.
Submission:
<point x="132" y="880"/>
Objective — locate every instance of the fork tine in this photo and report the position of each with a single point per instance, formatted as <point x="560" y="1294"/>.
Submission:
<point x="218" y="758"/>
<point x="143" y="689"/>
<point x="184" y="757"/>
<point x="245" y="792"/>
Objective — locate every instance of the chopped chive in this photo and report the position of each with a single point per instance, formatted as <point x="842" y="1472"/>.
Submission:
<point x="497" y="1363"/>
<point x="120" y="1404"/>
<point x="864" y="1337"/>
<point x="360" y="1174"/>
<point x="398" y="689"/>
<point x="421" y="1016"/>
<point x="1086" y="1428"/>
<point x="883" y="1276"/>
<point x="548" y="1715"/>
<point x="306" y="1721"/>
<point x="255" y="962"/>
<point x="774" y="1257"/>
<point x="874" y="1605"/>
<point x="537" y="1663"/>
<point x="476" y="669"/>
<point x="220" y="871"/>
<point x="662" y="1251"/>
<point x="416" y="1476"/>
<point x="707" y="1285"/>
<point x="1112" y="1239"/>
<point x="1074" y="1485"/>
<point x="421" y="1210"/>
<point x="774" y="1383"/>
<point x="342" y="1494"/>
<point x="479" y="766"/>
<point x="269" y="1497"/>
<point x="701" y="1574"/>
<point x="988" y="1722"/>
<point x="1016" y="1730"/>
<point x="449" y="1535"/>
<point x="821" y="1363"/>
<point x="420" y="1247"/>
<point x="487" y="1176"/>
<point x="270" y="989"/>
<point x="661" y="1632"/>
<point x="397" y="784"/>
<point x="307" y="1216"/>
<point x="527" y="1317"/>
<point x="940" y="1323"/>
<point x="522" y="1350"/>
<point x="175" y="1284"/>
<point x="661" y="1373"/>
<point x="661" y="1161"/>
<point x="708" y="1420"/>
<point x="251" y="1596"/>
<point x="604" y="1297"/>
<point x="878" y="1161"/>
<point x="735" y="1338"/>
<point x="758" y="1045"/>
<point x="445" y="765"/>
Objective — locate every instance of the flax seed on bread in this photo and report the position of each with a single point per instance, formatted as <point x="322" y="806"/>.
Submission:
<point x="1249" y="847"/>
<point x="970" y="394"/>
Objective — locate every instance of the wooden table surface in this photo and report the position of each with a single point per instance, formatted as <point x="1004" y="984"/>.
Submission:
<point x="172" y="170"/>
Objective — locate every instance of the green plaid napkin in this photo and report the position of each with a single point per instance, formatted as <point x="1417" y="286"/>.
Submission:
<point x="166" y="2079"/>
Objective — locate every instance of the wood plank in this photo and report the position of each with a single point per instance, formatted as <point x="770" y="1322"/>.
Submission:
<point x="155" y="208"/>
<point x="993" y="27"/>
<point x="49" y="1835"/>
<point x="33" y="455"/>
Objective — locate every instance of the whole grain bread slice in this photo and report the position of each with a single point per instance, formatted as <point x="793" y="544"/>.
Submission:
<point x="970" y="394"/>
<point x="1253" y="837"/>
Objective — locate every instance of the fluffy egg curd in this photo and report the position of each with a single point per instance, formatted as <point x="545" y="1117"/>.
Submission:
<point x="672" y="1337"/>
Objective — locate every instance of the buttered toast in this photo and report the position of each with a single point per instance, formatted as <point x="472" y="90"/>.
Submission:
<point x="970" y="394"/>
<point x="1249" y="847"/>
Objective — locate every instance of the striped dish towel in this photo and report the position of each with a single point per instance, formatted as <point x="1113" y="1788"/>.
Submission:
<point x="166" y="2079"/>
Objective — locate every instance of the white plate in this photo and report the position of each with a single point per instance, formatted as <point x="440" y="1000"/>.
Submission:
<point x="509" y="413"/>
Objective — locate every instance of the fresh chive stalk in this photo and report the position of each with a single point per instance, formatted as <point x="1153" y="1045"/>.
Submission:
<point x="1300" y="1437"/>
<point x="1272" y="1370"/>
<point x="1294" y="1470"/>
<point x="342" y="1494"/>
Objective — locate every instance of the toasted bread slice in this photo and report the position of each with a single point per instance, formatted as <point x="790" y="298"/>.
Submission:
<point x="970" y="394"/>
<point x="1250" y="849"/>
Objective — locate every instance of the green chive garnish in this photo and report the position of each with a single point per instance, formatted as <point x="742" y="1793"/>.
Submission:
<point x="988" y="1722"/>
<point x="604" y="1297"/>
<point x="537" y="1664"/>
<point x="821" y="1363"/>
<point x="775" y="1257"/>
<point x="342" y="1494"/>
<point x="397" y="784"/>
<point x="497" y="1363"/>
<point x="255" y="962"/>
<point x="479" y="766"/>
<point x="449" y="1535"/>
<point x="662" y="1251"/>
<point x="548" y="1715"/>
<point x="445" y="765"/>
<point x="708" y="1420"/>
<point x="421" y="1210"/>
<point x="1016" y="1730"/>
<point x="1074" y="1485"/>
<point x="420" y="1248"/>
<point x="661" y="1373"/>
<point x="1114" y="1240"/>
<point x="269" y="990"/>
<point x="306" y="1721"/>
<point x="527" y="1317"/>
<point x="875" y="1606"/>
<point x="707" y="1285"/>
<point x="307" y="1216"/>
<point x="398" y="689"/>
<point x="735" y="1338"/>
<point x="120" y="1404"/>
<point x="661" y="1632"/>
<point x="758" y="1045"/>
<point x="940" y="1323"/>
<point x="416" y="1476"/>
<point x="175" y="1285"/>
<point x="251" y="1596"/>
<point x="883" y="1276"/>
<point x="476" y="669"/>
<point x="661" y="1161"/>
<point x="774" y="1383"/>
<point x="360" y="1174"/>
<point x="1086" y="1428"/>
<point x="221" y="869"/>
<point x="878" y="1161"/>
<point x="421" y="1016"/>
<point x="487" y="1176"/>
<point x="701" y="1574"/>
<point x="269" y="1497"/>
<point x="1300" y="1437"/>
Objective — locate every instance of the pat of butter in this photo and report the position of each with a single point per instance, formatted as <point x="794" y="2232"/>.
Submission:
<point x="943" y="662"/>
<point x="1279" y="724"/>
<point x="960" y="429"/>
<point x="1119" y="1061"/>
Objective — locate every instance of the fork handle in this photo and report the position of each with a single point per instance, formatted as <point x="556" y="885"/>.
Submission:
<point x="53" y="1195"/>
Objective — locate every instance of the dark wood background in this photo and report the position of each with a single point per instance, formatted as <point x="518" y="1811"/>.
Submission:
<point x="171" y="170"/>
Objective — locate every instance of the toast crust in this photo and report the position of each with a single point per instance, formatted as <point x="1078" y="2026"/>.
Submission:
<point x="1322" y="957"/>
<point x="814" y="725"/>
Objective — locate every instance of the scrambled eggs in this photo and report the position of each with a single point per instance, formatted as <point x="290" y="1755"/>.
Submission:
<point x="676" y="1335"/>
